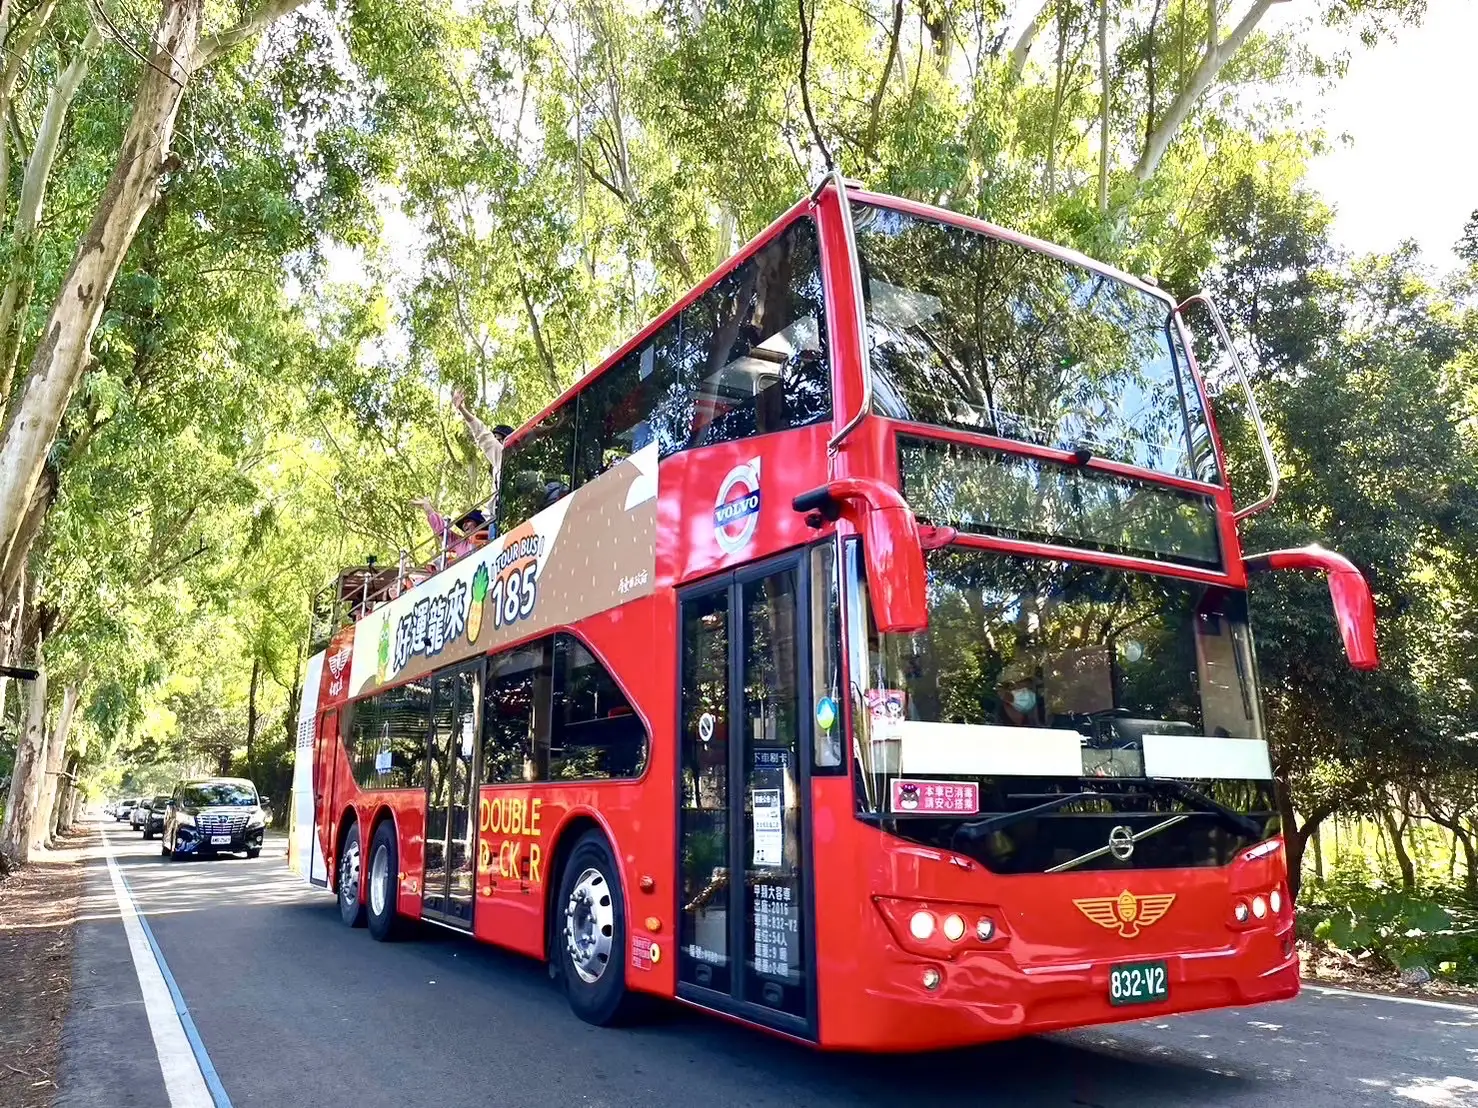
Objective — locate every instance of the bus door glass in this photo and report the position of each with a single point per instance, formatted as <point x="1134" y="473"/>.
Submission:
<point x="446" y="891"/>
<point x="742" y="789"/>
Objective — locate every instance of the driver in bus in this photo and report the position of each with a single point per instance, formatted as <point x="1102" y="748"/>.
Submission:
<point x="1017" y="702"/>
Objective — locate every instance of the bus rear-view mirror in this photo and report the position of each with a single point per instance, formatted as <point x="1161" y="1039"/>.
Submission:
<point x="1354" y="610"/>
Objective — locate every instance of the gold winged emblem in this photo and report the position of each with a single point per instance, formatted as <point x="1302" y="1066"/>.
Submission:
<point x="1126" y="913"/>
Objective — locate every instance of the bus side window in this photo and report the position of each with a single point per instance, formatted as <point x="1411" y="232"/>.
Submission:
<point x="754" y="346"/>
<point x="611" y="423"/>
<point x="538" y="469"/>
<point x="596" y="734"/>
<point x="405" y="717"/>
<point x="515" y="717"/>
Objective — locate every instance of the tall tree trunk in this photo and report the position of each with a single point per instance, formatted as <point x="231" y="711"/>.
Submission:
<point x="1470" y="861"/>
<point x="62" y="351"/>
<point x="20" y="805"/>
<point x="1023" y="47"/>
<point x="1398" y="848"/>
<point x="1103" y="107"/>
<point x="251" y="719"/>
<point x="66" y="798"/>
<point x="56" y="759"/>
<point x="22" y="278"/>
<point x="12" y="620"/>
<point x="1219" y="51"/>
<point x="1314" y="841"/>
<point x="1295" y="836"/>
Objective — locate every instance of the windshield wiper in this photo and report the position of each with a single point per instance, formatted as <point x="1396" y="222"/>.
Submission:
<point x="1201" y="802"/>
<point x="980" y="828"/>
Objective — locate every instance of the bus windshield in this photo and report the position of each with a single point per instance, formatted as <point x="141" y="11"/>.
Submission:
<point x="982" y="334"/>
<point x="1038" y="681"/>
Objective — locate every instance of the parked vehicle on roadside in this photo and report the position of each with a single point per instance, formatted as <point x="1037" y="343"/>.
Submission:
<point x="153" y="821"/>
<point x="139" y="814"/>
<point x="125" y="808"/>
<point x="211" y="816"/>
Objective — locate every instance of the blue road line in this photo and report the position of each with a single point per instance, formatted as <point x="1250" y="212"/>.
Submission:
<point x="202" y="1056"/>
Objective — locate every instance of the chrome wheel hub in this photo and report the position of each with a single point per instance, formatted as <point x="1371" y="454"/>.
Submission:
<point x="379" y="889"/>
<point x="590" y="925"/>
<point x="349" y="874"/>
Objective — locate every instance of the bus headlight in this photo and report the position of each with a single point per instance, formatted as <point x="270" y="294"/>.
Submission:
<point x="954" y="927"/>
<point x="921" y="925"/>
<point x="985" y="929"/>
<point x="1275" y="901"/>
<point x="1259" y="907"/>
<point x="1240" y="911"/>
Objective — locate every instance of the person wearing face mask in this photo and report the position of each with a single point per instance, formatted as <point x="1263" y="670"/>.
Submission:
<point x="1016" y="695"/>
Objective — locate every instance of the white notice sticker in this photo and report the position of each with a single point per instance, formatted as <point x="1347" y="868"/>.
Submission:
<point x="769" y="828"/>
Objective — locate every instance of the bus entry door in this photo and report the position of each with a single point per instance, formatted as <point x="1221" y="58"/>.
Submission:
<point x="451" y="825"/>
<point x="742" y="794"/>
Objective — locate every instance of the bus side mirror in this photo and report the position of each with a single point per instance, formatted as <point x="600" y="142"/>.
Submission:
<point x="1354" y="609"/>
<point x="891" y="547"/>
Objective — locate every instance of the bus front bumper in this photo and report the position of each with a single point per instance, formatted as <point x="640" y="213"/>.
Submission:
<point x="984" y="996"/>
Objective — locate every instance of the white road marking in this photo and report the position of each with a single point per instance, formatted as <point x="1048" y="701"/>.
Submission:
<point x="184" y="1082"/>
<point x="1444" y="1005"/>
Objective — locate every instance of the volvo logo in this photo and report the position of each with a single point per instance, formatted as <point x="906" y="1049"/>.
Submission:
<point x="737" y="506"/>
<point x="1121" y="843"/>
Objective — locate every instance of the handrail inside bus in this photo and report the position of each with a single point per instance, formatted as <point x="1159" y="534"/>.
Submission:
<point x="1257" y="421"/>
<point x="859" y="315"/>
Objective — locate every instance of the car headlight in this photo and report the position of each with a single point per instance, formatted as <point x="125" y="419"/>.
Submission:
<point x="185" y="819"/>
<point x="258" y="819"/>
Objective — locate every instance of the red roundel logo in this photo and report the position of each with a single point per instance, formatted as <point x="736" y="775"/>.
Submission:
<point x="736" y="510"/>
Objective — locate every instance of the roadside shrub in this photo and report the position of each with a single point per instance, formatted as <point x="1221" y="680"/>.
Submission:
<point x="1369" y="918"/>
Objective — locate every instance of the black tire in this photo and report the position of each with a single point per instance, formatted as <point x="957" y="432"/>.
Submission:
<point x="382" y="884"/>
<point x="163" y="846"/>
<point x="257" y="853"/>
<point x="347" y="882"/>
<point x="148" y="834"/>
<point x="592" y="908"/>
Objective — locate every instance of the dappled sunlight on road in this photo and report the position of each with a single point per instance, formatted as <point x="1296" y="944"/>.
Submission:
<point x="162" y="887"/>
<point x="1446" y="1092"/>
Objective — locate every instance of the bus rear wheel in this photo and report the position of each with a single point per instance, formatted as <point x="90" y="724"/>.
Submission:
<point x="590" y="934"/>
<point x="384" y="923"/>
<point x="351" y="908"/>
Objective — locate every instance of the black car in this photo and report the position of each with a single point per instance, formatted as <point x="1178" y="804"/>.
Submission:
<point x="153" y="821"/>
<point x="212" y="816"/>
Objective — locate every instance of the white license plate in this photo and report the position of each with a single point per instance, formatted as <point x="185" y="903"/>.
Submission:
<point x="220" y="840"/>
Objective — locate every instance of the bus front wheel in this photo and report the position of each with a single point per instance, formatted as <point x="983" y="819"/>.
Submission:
<point x="590" y="934"/>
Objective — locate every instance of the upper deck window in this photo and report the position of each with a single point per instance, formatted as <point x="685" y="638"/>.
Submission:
<point x="748" y="357"/>
<point x="981" y="334"/>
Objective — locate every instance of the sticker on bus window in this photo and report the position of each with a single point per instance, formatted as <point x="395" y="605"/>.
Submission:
<point x="959" y="798"/>
<point x="769" y="827"/>
<point x="885" y="703"/>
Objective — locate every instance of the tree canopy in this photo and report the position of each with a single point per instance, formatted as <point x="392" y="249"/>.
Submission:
<point x="225" y="362"/>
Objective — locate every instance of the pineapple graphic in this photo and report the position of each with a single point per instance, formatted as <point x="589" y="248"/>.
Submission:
<point x="479" y="594"/>
<point x="383" y="657"/>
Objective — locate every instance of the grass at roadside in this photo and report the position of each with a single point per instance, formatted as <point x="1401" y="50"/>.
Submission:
<point x="1362" y="931"/>
<point x="38" y="914"/>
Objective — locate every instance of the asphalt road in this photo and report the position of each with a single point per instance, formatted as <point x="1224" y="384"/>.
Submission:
<point x="296" y="1009"/>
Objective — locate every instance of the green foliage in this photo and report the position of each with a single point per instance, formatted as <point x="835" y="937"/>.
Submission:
<point x="382" y="201"/>
<point x="1400" y="930"/>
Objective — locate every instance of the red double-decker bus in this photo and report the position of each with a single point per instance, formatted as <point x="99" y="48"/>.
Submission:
<point x="861" y="652"/>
